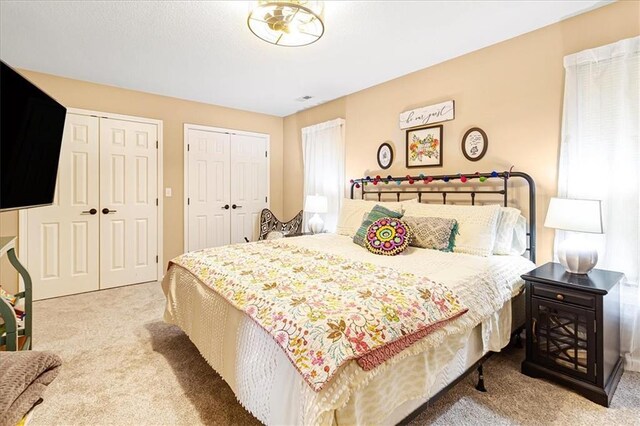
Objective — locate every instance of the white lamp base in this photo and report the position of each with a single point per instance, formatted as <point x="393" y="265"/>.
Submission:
<point x="316" y="224"/>
<point x="577" y="255"/>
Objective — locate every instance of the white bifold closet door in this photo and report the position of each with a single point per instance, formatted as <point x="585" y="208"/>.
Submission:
<point x="101" y="230"/>
<point x="226" y="186"/>
<point x="63" y="238"/>
<point x="248" y="185"/>
<point x="128" y="206"/>
<point x="208" y="177"/>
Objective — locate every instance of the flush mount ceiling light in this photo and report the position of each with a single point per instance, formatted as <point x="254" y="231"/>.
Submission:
<point x="287" y="23"/>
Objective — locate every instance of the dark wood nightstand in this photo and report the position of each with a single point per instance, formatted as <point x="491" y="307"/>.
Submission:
<point x="573" y="330"/>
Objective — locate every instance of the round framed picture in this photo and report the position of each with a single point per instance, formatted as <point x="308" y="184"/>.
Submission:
<point x="385" y="155"/>
<point x="474" y="144"/>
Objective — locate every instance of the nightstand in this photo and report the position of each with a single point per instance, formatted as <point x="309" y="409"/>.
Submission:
<point x="573" y="330"/>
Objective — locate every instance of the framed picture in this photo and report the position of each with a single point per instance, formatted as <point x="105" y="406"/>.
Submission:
<point x="424" y="147"/>
<point x="385" y="155"/>
<point x="474" y="144"/>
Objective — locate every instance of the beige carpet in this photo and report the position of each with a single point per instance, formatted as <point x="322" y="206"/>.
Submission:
<point x="124" y="365"/>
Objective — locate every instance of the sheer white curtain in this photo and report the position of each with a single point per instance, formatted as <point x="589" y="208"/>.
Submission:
<point x="600" y="159"/>
<point x="323" y="155"/>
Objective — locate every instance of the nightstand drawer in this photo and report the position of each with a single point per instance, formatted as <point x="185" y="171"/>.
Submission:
<point x="563" y="295"/>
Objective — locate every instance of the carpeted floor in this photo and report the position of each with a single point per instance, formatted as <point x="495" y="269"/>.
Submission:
<point x="124" y="365"/>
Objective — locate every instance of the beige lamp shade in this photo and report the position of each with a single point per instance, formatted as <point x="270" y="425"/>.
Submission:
<point x="315" y="204"/>
<point x="575" y="215"/>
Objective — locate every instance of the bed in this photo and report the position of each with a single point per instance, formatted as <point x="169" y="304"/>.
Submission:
<point x="274" y="389"/>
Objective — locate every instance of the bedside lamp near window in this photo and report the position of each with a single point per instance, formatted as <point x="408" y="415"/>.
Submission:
<point x="575" y="253"/>
<point x="315" y="204"/>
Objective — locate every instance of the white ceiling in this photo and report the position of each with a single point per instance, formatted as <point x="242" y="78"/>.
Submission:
<point x="204" y="51"/>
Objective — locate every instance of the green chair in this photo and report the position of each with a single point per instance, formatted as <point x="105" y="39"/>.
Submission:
<point x="16" y="337"/>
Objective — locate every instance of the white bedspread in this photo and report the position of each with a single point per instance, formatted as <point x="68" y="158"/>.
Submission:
<point x="267" y="384"/>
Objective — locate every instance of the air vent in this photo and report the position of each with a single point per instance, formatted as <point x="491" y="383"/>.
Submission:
<point x="304" y="98"/>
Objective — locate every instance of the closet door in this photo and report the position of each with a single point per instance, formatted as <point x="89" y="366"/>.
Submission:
<point x="62" y="239"/>
<point x="128" y="202"/>
<point x="208" y="188"/>
<point x="248" y="185"/>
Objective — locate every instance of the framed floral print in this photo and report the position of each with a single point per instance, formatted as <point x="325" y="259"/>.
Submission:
<point x="424" y="147"/>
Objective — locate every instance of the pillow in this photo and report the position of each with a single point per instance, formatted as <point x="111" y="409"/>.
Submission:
<point x="377" y="212"/>
<point x="476" y="224"/>
<point x="352" y="212"/>
<point x="435" y="233"/>
<point x="519" y="241"/>
<point x="507" y="219"/>
<point x="387" y="236"/>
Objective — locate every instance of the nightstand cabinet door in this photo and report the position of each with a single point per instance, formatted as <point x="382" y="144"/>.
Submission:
<point x="563" y="338"/>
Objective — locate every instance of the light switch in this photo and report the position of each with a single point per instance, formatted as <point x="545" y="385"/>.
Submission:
<point x="167" y="192"/>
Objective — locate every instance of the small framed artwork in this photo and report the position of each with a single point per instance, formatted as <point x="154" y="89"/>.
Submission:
<point x="385" y="155"/>
<point x="424" y="147"/>
<point x="474" y="144"/>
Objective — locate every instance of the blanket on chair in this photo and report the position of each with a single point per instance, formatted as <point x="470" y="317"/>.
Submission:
<point x="24" y="376"/>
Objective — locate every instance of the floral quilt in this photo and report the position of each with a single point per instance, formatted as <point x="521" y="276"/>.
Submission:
<point x="323" y="309"/>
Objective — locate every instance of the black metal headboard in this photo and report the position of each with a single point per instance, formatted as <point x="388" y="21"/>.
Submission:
<point x="422" y="185"/>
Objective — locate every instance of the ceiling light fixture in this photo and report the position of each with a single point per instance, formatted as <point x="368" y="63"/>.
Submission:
<point x="287" y="23"/>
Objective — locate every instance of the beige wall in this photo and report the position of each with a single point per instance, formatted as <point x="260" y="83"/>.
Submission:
<point x="174" y="113"/>
<point x="513" y="90"/>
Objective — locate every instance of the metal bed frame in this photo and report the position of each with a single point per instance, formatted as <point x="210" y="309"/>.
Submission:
<point x="383" y="186"/>
<point x="424" y="186"/>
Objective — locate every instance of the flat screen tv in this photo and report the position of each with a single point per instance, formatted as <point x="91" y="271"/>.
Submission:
<point x="31" y="125"/>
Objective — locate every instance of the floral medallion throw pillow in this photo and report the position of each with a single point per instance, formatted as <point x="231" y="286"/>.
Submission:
<point x="387" y="236"/>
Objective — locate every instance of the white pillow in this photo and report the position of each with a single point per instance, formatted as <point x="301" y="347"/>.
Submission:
<point x="352" y="212"/>
<point x="476" y="224"/>
<point x="519" y="241"/>
<point x="507" y="219"/>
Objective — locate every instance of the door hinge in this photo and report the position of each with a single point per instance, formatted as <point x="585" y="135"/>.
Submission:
<point x="156" y="144"/>
<point x="188" y="201"/>
<point x="265" y="154"/>
<point x="156" y="201"/>
<point x="265" y="199"/>
<point x="188" y="147"/>
<point x="156" y="258"/>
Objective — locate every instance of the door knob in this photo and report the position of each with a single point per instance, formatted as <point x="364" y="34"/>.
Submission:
<point x="225" y="207"/>
<point x="234" y="206"/>
<point x="107" y="211"/>
<point x="92" y="211"/>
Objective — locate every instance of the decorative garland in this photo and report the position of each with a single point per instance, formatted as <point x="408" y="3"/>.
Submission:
<point x="425" y="179"/>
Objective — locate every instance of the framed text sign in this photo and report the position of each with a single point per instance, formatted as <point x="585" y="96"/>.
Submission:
<point x="431" y="114"/>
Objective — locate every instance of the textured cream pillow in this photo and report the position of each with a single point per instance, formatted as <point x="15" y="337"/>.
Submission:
<point x="476" y="224"/>
<point x="519" y="241"/>
<point x="507" y="219"/>
<point x="352" y="212"/>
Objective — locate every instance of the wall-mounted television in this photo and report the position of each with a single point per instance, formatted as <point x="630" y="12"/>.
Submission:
<point x="31" y="126"/>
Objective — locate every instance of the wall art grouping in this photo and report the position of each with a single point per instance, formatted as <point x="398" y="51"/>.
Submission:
<point x="424" y="139"/>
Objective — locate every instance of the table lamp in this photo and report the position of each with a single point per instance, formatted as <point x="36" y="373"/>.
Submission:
<point x="315" y="204"/>
<point x="576" y="253"/>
